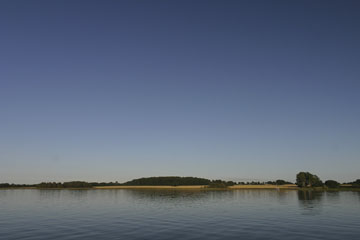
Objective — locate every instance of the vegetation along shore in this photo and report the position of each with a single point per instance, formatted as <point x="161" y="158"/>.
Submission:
<point x="304" y="181"/>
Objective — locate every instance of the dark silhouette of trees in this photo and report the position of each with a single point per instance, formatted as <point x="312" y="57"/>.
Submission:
<point x="282" y="182"/>
<point x="167" y="181"/>
<point x="5" y="185"/>
<point x="77" y="184"/>
<point x="332" y="184"/>
<point x="73" y="184"/>
<point x="12" y="185"/>
<point x="306" y="179"/>
<point x="49" y="185"/>
<point x="303" y="179"/>
<point x="256" y="183"/>
<point x="220" y="184"/>
<point x="355" y="184"/>
<point x="97" y="184"/>
<point x="278" y="182"/>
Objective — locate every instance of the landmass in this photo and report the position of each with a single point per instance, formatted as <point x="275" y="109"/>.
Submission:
<point x="304" y="181"/>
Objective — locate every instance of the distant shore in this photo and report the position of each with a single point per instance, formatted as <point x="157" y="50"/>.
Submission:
<point x="152" y="187"/>
<point x="199" y="187"/>
<point x="204" y="187"/>
<point x="266" y="186"/>
<point x="305" y="181"/>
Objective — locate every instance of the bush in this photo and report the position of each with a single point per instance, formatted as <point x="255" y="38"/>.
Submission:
<point x="332" y="184"/>
<point x="282" y="182"/>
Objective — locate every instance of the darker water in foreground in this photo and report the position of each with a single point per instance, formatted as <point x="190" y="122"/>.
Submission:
<point x="178" y="214"/>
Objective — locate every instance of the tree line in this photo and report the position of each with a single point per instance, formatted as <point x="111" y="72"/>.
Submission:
<point x="308" y="180"/>
<point x="168" y="181"/>
<point x="303" y="180"/>
<point x="151" y="181"/>
<point x="220" y="184"/>
<point x="73" y="184"/>
<point x="12" y="185"/>
<point x="276" y="182"/>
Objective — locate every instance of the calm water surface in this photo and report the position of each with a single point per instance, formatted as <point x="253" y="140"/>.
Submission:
<point x="162" y="214"/>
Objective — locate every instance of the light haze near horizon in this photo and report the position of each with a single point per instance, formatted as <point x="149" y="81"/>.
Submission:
<point x="239" y="90"/>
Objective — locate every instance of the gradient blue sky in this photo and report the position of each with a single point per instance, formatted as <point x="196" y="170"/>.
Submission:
<point x="115" y="90"/>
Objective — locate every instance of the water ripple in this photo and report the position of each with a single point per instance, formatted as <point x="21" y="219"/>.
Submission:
<point x="154" y="214"/>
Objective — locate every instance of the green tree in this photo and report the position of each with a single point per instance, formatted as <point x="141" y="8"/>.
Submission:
<point x="356" y="183"/>
<point x="301" y="179"/>
<point x="281" y="182"/>
<point x="332" y="184"/>
<point x="306" y="179"/>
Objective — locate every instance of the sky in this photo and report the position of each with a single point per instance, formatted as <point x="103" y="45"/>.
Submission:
<point x="238" y="90"/>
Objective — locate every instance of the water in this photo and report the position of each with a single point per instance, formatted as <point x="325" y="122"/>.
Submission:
<point x="164" y="214"/>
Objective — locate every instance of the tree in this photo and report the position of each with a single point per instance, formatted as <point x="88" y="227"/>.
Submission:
<point x="301" y="179"/>
<point x="356" y="183"/>
<point x="282" y="182"/>
<point x="332" y="184"/>
<point x="306" y="179"/>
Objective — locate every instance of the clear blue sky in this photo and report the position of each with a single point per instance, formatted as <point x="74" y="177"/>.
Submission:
<point x="115" y="90"/>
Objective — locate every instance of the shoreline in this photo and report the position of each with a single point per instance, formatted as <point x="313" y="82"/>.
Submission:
<point x="205" y="187"/>
<point x="197" y="187"/>
<point x="181" y="187"/>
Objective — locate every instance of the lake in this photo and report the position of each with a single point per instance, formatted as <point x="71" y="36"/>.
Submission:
<point x="178" y="214"/>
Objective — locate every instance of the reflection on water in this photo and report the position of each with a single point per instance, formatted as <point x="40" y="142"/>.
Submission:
<point x="310" y="196"/>
<point x="169" y="195"/>
<point x="178" y="214"/>
<point x="310" y="201"/>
